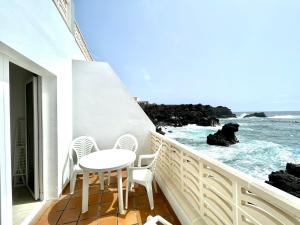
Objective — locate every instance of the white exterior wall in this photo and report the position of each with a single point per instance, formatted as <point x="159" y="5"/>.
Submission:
<point x="103" y="108"/>
<point x="33" y="35"/>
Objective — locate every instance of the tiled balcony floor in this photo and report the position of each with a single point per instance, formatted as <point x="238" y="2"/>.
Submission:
<point x="103" y="206"/>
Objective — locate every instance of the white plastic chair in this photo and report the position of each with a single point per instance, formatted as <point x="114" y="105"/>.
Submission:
<point x="79" y="147"/>
<point x="126" y="141"/>
<point x="154" y="220"/>
<point x="143" y="175"/>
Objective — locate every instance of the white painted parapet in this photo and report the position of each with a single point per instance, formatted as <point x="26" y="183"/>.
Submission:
<point x="204" y="191"/>
<point x="66" y="9"/>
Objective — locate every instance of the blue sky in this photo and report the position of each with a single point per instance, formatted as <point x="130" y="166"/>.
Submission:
<point x="243" y="54"/>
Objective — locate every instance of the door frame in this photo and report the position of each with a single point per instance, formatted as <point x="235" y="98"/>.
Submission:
<point x="5" y="154"/>
<point x="38" y="165"/>
<point x="8" y="55"/>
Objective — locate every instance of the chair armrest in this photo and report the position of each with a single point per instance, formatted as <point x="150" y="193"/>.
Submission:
<point x="141" y="157"/>
<point x="73" y="157"/>
<point x="139" y="167"/>
<point x="96" y="148"/>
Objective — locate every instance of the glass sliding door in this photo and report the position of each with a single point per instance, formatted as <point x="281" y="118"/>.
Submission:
<point x="32" y="153"/>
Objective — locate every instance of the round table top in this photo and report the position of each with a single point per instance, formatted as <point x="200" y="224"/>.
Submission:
<point x="108" y="159"/>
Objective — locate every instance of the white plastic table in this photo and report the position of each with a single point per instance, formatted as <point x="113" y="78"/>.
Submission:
<point x="105" y="160"/>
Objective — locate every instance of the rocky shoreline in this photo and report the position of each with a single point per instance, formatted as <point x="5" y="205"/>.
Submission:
<point x="225" y="136"/>
<point x="256" y="114"/>
<point x="181" y="115"/>
<point x="287" y="180"/>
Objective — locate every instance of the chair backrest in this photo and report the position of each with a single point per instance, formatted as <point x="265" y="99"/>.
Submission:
<point x="82" y="146"/>
<point x="152" y="165"/>
<point x="127" y="141"/>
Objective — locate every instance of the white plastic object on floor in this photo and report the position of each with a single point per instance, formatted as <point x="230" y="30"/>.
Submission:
<point x="143" y="175"/>
<point x="80" y="147"/>
<point x="154" y="220"/>
<point x="126" y="141"/>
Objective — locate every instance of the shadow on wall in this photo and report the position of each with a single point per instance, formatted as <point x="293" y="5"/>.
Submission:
<point x="103" y="108"/>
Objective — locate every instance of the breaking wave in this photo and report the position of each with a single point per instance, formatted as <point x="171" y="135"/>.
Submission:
<point x="285" y="117"/>
<point x="265" y="145"/>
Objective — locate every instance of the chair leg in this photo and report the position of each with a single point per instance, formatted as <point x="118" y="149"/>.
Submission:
<point x="155" y="185"/>
<point x="150" y="195"/>
<point x="73" y="182"/>
<point x="128" y="183"/>
<point x="108" y="179"/>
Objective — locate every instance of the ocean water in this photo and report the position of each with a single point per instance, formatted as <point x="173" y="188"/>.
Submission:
<point x="266" y="144"/>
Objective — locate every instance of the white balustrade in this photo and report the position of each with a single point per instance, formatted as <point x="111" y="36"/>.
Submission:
<point x="81" y="43"/>
<point x="65" y="9"/>
<point x="218" y="194"/>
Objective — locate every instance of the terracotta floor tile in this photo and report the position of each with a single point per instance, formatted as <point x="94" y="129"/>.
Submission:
<point x="142" y="202"/>
<point x="128" y="219"/>
<point x="94" y="198"/>
<point x="131" y="202"/>
<point x="95" y="189"/>
<point x="66" y="193"/>
<point x="103" y="206"/>
<point x="107" y="197"/>
<point x="60" y="205"/>
<point x="139" y="190"/>
<point x="143" y="214"/>
<point x="108" y="220"/>
<point x="94" y="179"/>
<point x="49" y="218"/>
<point x="69" y="216"/>
<point x="91" y="221"/>
<point x="93" y="212"/>
<point x="108" y="209"/>
<point x="74" y="203"/>
<point x="110" y="188"/>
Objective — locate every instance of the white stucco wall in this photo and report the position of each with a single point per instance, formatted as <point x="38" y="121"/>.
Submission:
<point x="36" y="30"/>
<point x="103" y="108"/>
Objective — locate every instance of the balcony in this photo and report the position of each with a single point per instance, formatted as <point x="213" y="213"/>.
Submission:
<point x="103" y="206"/>
<point x="200" y="190"/>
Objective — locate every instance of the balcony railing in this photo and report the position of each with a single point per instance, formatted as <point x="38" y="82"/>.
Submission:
<point x="81" y="43"/>
<point x="210" y="192"/>
<point x="66" y="10"/>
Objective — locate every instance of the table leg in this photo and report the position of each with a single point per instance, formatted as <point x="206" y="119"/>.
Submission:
<point x="101" y="177"/>
<point x="120" y="192"/>
<point x="85" y="192"/>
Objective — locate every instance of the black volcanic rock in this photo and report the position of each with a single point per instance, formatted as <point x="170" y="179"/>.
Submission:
<point x="257" y="114"/>
<point x="293" y="169"/>
<point x="288" y="180"/>
<point x="225" y="136"/>
<point x="181" y="115"/>
<point x="159" y="130"/>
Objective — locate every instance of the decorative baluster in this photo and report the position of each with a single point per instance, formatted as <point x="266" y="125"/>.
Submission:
<point x="201" y="175"/>
<point x="236" y="202"/>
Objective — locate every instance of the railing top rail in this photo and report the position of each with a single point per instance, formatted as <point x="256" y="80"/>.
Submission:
<point x="273" y="195"/>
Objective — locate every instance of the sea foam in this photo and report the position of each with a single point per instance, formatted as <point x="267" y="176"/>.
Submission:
<point x="285" y="117"/>
<point x="265" y="145"/>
